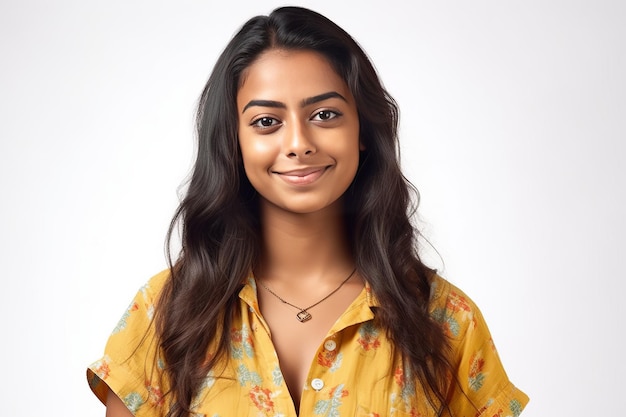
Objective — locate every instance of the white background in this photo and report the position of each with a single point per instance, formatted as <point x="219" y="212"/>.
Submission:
<point x="513" y="129"/>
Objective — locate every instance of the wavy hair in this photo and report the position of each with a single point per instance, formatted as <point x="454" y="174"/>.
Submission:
<point x="219" y="216"/>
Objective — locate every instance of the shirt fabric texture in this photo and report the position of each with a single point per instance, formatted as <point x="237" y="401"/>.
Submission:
<point x="356" y="372"/>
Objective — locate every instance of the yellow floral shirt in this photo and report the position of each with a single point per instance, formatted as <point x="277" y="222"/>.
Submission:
<point x="356" y="372"/>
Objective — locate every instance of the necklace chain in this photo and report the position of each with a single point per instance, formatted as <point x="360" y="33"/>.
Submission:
<point x="304" y="315"/>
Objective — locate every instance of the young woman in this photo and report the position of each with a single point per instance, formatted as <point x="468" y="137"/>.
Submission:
<point x="299" y="290"/>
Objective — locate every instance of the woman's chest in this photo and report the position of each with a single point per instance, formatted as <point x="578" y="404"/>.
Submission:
<point x="353" y="372"/>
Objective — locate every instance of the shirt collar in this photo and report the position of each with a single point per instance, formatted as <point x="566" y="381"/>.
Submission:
<point x="372" y="301"/>
<point x="360" y="310"/>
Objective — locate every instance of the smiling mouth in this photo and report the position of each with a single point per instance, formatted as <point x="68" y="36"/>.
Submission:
<point x="302" y="176"/>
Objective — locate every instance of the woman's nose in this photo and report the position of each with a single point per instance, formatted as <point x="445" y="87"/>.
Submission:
<point x="298" y="141"/>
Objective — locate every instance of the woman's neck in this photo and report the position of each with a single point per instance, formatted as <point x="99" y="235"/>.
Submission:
<point x="312" y="247"/>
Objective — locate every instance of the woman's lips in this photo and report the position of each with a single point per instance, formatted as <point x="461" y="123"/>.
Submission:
<point x="301" y="176"/>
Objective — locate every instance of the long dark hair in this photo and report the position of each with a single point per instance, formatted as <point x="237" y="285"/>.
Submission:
<point x="219" y="216"/>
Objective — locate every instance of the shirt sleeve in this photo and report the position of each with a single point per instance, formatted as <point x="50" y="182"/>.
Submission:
<point x="131" y="366"/>
<point x="480" y="386"/>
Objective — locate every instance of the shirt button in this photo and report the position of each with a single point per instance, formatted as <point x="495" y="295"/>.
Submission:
<point x="317" y="384"/>
<point x="330" y="345"/>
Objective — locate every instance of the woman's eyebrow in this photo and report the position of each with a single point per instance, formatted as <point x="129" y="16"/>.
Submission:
<point x="264" y="103"/>
<point x="306" y="102"/>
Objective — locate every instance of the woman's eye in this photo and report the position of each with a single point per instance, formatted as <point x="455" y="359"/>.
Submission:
<point x="264" y="122"/>
<point x="325" y="115"/>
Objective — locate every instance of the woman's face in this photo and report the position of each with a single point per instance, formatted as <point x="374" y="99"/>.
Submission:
<point x="298" y="131"/>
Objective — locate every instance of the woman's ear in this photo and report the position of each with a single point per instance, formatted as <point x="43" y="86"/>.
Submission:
<point x="361" y="146"/>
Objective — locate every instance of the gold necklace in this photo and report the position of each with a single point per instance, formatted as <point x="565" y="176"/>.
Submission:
<point x="303" y="313"/>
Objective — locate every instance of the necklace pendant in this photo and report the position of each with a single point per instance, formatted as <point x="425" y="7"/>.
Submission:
<point x="303" y="316"/>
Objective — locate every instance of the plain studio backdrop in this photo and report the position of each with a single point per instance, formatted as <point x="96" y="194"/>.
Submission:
<point x="513" y="121"/>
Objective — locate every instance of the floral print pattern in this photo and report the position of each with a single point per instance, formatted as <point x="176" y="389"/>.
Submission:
<point x="476" y="377"/>
<point x="368" y="336"/>
<point x="241" y="343"/>
<point x="330" y="407"/>
<point x="359" y="371"/>
<point x="262" y="399"/>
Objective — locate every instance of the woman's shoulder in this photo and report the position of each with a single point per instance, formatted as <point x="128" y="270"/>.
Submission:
<point x="151" y="289"/>
<point x="473" y="355"/>
<point x="155" y="284"/>
<point x="441" y="290"/>
<point x="142" y="307"/>
<point x="452" y="307"/>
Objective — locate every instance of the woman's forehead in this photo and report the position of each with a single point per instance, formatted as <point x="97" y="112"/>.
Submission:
<point x="290" y="74"/>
